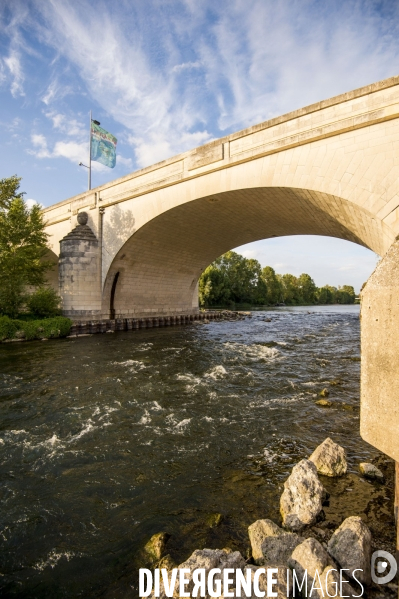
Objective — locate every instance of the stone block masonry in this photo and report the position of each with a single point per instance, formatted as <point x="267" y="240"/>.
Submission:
<point x="92" y="327"/>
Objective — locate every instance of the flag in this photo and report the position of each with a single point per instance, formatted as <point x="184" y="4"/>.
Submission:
<point x="103" y="146"/>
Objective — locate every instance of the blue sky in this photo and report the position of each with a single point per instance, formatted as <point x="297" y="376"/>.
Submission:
<point x="166" y="76"/>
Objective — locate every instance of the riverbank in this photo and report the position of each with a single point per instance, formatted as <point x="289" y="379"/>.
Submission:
<point x="28" y="330"/>
<point x="304" y="538"/>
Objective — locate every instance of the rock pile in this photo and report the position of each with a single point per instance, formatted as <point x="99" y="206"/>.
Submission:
<point x="292" y="555"/>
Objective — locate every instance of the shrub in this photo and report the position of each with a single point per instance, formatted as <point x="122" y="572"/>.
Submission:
<point x="44" y="302"/>
<point x="34" y="329"/>
<point x="8" y="328"/>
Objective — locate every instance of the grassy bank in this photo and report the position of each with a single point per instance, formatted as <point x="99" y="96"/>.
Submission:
<point x="28" y="329"/>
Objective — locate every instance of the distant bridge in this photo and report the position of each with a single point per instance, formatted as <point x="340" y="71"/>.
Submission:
<point x="331" y="168"/>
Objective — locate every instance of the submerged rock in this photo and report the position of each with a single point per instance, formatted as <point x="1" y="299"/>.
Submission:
<point x="214" y="520"/>
<point x="324" y="402"/>
<point x="301" y="501"/>
<point x="350" y="546"/>
<point x="329" y="458"/>
<point x="370" y="471"/>
<point x="156" y="545"/>
<point x="324" y="392"/>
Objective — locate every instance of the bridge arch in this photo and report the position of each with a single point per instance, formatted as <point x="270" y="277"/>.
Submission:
<point x="159" y="264"/>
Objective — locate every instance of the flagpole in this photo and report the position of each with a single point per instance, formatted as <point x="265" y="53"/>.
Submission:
<point x="89" y="171"/>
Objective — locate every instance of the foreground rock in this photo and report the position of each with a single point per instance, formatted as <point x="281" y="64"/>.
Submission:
<point x="370" y="471"/>
<point x="350" y="546"/>
<point x="301" y="501"/>
<point x="156" y="545"/>
<point x="314" y="566"/>
<point x="258" y="532"/>
<point x="270" y="543"/>
<point x="280" y="587"/>
<point x="329" y="458"/>
<point x="277" y="550"/>
<point x="206" y="559"/>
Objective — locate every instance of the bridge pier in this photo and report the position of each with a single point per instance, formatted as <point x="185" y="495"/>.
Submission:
<point x="379" y="408"/>
<point x="79" y="272"/>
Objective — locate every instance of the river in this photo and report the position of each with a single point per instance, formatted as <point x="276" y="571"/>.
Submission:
<point x="108" y="439"/>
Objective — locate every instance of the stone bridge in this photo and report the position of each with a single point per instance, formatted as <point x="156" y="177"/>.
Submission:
<point x="331" y="168"/>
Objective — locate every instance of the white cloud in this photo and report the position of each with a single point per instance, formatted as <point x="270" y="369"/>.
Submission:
<point x="74" y="151"/>
<point x="30" y="203"/>
<point x="13" y="64"/>
<point x="186" y="65"/>
<point x="55" y="91"/>
<point x="125" y="161"/>
<point x="249" y="253"/>
<point x="70" y="126"/>
<point x="246" y="64"/>
<point x="41" y="149"/>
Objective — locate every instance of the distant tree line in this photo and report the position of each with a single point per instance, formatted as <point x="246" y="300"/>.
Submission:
<point x="233" y="279"/>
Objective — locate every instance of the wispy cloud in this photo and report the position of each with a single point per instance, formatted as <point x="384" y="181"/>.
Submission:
<point x="14" y="67"/>
<point x="178" y="74"/>
<point x="68" y="125"/>
<point x="74" y="151"/>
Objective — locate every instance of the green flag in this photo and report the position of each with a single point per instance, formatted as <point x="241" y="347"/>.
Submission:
<point x="103" y="146"/>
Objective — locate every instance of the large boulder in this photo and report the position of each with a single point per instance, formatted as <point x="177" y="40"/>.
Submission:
<point x="303" y="496"/>
<point x="316" y="572"/>
<point x="350" y="546"/>
<point x="222" y="559"/>
<point x="270" y="543"/>
<point x="258" y="532"/>
<point x="277" y="550"/>
<point x="329" y="458"/>
<point x="282" y="587"/>
<point x="206" y="559"/>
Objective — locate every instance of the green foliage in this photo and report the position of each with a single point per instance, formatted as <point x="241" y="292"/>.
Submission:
<point x="333" y="295"/>
<point x="23" y="245"/>
<point x="233" y="279"/>
<point x="34" y="329"/>
<point x="44" y="302"/>
<point x="273" y="286"/>
<point x="8" y="191"/>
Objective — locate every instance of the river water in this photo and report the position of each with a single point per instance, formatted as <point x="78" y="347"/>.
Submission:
<point x="106" y="440"/>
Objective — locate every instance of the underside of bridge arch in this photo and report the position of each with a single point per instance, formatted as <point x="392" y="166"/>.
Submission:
<point x="156" y="271"/>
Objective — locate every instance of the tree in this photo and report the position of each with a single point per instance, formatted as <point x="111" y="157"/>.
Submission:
<point x="212" y="287"/>
<point x="346" y="295"/>
<point x="290" y="290"/>
<point x="307" y="288"/>
<point x="8" y="191"/>
<point x="23" y="245"/>
<point x="231" y="279"/>
<point x="273" y="286"/>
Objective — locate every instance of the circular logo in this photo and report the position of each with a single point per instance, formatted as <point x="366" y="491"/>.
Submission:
<point x="385" y="559"/>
